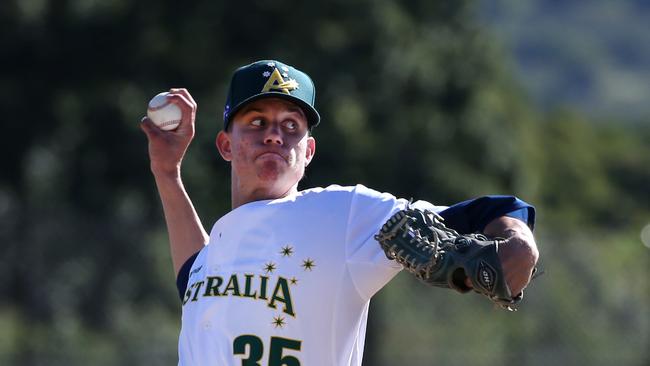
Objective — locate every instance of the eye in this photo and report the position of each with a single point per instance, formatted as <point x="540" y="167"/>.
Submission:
<point x="291" y="125"/>
<point x="257" y="122"/>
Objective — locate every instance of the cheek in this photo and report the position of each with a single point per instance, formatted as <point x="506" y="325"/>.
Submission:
<point x="240" y="149"/>
<point x="298" y="154"/>
<point x="241" y="160"/>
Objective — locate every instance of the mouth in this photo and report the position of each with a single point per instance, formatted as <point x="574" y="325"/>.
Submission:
<point x="271" y="155"/>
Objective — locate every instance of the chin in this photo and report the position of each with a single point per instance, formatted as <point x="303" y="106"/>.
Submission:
<point x="278" y="183"/>
<point x="270" y="172"/>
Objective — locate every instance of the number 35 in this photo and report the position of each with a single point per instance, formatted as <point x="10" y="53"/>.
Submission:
<point x="256" y="350"/>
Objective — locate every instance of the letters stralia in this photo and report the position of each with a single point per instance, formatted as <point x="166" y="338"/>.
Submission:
<point x="256" y="287"/>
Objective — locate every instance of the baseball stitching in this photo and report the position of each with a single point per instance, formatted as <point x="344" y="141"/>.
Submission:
<point x="153" y="109"/>
<point x="167" y="123"/>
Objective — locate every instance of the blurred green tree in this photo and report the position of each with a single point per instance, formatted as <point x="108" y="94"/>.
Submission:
<point x="415" y="99"/>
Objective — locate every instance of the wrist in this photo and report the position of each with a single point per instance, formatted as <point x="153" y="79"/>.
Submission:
<point x="166" y="174"/>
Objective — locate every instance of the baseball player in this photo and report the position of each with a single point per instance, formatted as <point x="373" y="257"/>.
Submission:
<point x="285" y="278"/>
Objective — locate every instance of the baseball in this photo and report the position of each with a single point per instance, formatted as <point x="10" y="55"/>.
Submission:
<point x="166" y="115"/>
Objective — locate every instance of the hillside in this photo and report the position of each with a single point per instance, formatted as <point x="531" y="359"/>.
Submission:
<point x="595" y="57"/>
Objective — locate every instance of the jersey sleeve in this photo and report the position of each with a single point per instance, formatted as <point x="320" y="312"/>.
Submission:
<point x="367" y="264"/>
<point x="472" y="216"/>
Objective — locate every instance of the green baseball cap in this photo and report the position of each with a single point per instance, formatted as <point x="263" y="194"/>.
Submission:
<point x="270" y="79"/>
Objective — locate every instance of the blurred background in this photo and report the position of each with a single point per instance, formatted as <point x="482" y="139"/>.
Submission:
<point x="436" y="100"/>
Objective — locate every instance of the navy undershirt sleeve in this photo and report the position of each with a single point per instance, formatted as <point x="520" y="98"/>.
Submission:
<point x="184" y="275"/>
<point x="521" y="214"/>
<point x="472" y="216"/>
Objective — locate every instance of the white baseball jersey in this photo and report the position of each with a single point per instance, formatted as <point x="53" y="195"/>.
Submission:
<point x="288" y="281"/>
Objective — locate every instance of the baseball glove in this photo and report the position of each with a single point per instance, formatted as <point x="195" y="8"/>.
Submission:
<point x="439" y="256"/>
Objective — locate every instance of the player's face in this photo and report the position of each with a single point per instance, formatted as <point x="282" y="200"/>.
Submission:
<point x="269" y="146"/>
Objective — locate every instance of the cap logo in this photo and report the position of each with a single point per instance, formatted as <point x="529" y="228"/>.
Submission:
<point x="277" y="83"/>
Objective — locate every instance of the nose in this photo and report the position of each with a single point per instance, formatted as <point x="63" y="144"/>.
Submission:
<point x="273" y="135"/>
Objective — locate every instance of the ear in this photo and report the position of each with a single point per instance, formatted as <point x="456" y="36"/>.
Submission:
<point x="224" y="146"/>
<point x="310" y="150"/>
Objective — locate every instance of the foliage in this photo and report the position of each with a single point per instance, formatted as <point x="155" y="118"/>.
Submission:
<point x="416" y="99"/>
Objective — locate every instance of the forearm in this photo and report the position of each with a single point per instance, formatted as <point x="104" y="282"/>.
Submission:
<point x="519" y="253"/>
<point x="186" y="233"/>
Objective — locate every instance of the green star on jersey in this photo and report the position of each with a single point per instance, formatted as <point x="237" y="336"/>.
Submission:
<point x="278" y="321"/>
<point x="287" y="251"/>
<point x="269" y="267"/>
<point x="308" y="264"/>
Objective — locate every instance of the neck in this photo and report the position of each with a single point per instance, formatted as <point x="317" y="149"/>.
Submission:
<point x="242" y="195"/>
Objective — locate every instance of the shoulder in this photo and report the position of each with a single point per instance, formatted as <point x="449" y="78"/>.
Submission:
<point x="361" y="196"/>
<point x="355" y="190"/>
<point x="357" y="194"/>
<point x="331" y="189"/>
